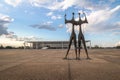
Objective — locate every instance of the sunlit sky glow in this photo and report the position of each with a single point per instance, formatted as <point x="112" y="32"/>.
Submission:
<point x="23" y="20"/>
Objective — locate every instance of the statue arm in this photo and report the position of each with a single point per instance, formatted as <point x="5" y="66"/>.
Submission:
<point x="85" y="21"/>
<point x="67" y="21"/>
<point x="65" y="18"/>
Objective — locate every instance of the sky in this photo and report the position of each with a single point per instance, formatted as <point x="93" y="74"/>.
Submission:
<point x="42" y="20"/>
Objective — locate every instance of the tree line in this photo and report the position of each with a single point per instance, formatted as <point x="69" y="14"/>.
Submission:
<point x="11" y="47"/>
<point x="22" y="47"/>
<point x="99" y="47"/>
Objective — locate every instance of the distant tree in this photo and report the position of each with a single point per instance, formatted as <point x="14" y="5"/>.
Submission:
<point x="88" y="47"/>
<point x="1" y="47"/>
<point x="21" y="47"/>
<point x="9" y="47"/>
<point x="96" y="47"/>
<point x="118" y="47"/>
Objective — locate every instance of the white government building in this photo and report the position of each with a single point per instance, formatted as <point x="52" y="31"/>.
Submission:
<point x="51" y="44"/>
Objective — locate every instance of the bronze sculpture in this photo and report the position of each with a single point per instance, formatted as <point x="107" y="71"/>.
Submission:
<point x="80" y="36"/>
<point x="72" y="37"/>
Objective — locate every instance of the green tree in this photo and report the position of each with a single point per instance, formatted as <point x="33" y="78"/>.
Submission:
<point x="9" y="47"/>
<point x="1" y="47"/>
<point x="96" y="46"/>
<point x="118" y="47"/>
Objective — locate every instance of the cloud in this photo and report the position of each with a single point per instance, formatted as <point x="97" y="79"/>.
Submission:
<point x="16" y="41"/>
<point x="13" y="3"/>
<point x="11" y="35"/>
<point x="49" y="14"/>
<point x="56" y="17"/>
<point x="29" y="38"/>
<point x="46" y="26"/>
<point x="115" y="29"/>
<point x="40" y="3"/>
<point x="51" y="4"/>
<point x="99" y="20"/>
<point x="61" y="26"/>
<point x="8" y="42"/>
<point x="65" y="4"/>
<point x="48" y="4"/>
<point x="4" y="21"/>
<point x="53" y="17"/>
<point x="117" y="44"/>
<point x="62" y="4"/>
<point x="69" y="27"/>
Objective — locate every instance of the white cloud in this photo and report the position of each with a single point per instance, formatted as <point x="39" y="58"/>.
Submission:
<point x="69" y="27"/>
<point x="53" y="4"/>
<point x="56" y="17"/>
<point x="59" y="4"/>
<point x="45" y="25"/>
<point x="56" y="5"/>
<point x="41" y="3"/>
<point x="65" y="4"/>
<point x="28" y="38"/>
<point x="98" y="19"/>
<point x="115" y="26"/>
<point x="49" y="14"/>
<point x="4" y="21"/>
<point x="49" y="4"/>
<point x="11" y="35"/>
<point x="117" y="44"/>
<point x="15" y="41"/>
<point x="116" y="33"/>
<point x="13" y="3"/>
<point x="10" y="42"/>
<point x="68" y="3"/>
<point x="61" y="26"/>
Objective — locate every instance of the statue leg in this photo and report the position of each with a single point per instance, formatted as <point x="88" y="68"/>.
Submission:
<point x="84" y="44"/>
<point x="75" y="42"/>
<point x="79" y="46"/>
<point x="70" y="42"/>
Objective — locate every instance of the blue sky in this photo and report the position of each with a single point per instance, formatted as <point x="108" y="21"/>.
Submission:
<point x="22" y="20"/>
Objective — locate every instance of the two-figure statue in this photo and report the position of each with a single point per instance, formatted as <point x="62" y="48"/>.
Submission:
<point x="80" y="36"/>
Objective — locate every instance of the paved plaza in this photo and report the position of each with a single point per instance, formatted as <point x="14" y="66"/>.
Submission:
<point x="31" y="64"/>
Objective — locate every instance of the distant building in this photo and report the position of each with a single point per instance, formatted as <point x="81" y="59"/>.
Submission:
<point x="50" y="44"/>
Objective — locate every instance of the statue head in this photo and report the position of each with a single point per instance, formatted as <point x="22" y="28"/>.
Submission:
<point x="65" y="15"/>
<point x="73" y="13"/>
